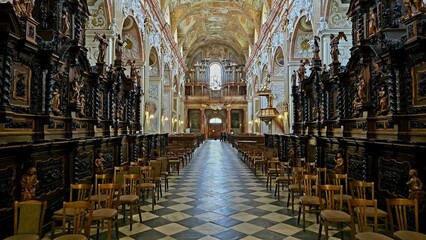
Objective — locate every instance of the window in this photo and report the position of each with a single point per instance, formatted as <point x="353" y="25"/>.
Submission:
<point x="215" y="76"/>
<point x="215" y="121"/>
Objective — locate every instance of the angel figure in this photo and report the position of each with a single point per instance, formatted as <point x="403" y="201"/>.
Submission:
<point x="338" y="168"/>
<point x="413" y="6"/>
<point x="316" y="48"/>
<point x="56" y="101"/>
<point x="302" y="69"/>
<point x="103" y="44"/>
<point x="383" y="100"/>
<point x="415" y="184"/>
<point x="334" y="46"/>
<point x="119" y="44"/>
<point x="29" y="183"/>
<point x="99" y="163"/>
<point x="65" y="23"/>
<point x="133" y="71"/>
<point x="76" y="87"/>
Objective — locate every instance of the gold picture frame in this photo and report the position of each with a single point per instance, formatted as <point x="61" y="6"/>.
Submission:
<point x="418" y="75"/>
<point x="21" y="85"/>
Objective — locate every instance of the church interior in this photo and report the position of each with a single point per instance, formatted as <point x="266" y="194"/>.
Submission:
<point x="89" y="87"/>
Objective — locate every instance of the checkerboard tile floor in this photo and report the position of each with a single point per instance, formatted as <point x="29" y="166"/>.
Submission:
<point x="217" y="196"/>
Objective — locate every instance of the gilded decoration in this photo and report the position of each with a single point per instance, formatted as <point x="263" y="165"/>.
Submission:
<point x="418" y="75"/>
<point x="97" y="18"/>
<point x="21" y="85"/>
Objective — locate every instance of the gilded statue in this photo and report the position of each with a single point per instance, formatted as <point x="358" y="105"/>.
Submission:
<point x="76" y="87"/>
<point x="372" y="22"/>
<point x="56" y="101"/>
<point x="415" y="184"/>
<point x="334" y="46"/>
<point x="65" y="23"/>
<point x="23" y="8"/>
<point x="302" y="69"/>
<point x="383" y="100"/>
<point x="413" y="7"/>
<point x="29" y="183"/>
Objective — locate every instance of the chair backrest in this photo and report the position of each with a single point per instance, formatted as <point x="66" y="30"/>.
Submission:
<point x="102" y="179"/>
<point x="362" y="190"/>
<point x="322" y="175"/>
<point x="111" y="191"/>
<point x="164" y="163"/>
<point x="82" y="216"/>
<point x="327" y="193"/>
<point x="156" y="165"/>
<point x="80" y="192"/>
<point x="308" y="182"/>
<point x="135" y="169"/>
<point x="299" y="162"/>
<point x="358" y="212"/>
<point x="398" y="208"/>
<point x="119" y="172"/>
<point x="340" y="179"/>
<point x="131" y="183"/>
<point x="29" y="217"/>
<point x="296" y="175"/>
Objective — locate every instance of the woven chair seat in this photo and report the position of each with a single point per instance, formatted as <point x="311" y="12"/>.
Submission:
<point x="408" y="235"/>
<point x="104" y="213"/>
<point x="371" y="235"/>
<point x="128" y="199"/>
<point x="309" y="200"/>
<point x="71" y="237"/>
<point x="335" y="216"/>
<point x="24" y="237"/>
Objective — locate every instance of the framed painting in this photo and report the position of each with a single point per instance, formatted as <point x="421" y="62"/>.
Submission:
<point x="418" y="75"/>
<point x="21" y="85"/>
<point x="195" y="119"/>
<point x="235" y="120"/>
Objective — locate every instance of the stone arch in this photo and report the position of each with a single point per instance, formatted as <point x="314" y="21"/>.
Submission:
<point x="154" y="63"/>
<point x="131" y="35"/>
<point x="278" y="62"/>
<point x="300" y="46"/>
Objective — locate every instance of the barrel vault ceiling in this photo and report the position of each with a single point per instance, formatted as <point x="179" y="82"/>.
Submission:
<point x="204" y="26"/>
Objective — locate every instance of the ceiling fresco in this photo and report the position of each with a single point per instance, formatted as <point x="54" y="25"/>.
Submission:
<point x="226" y="24"/>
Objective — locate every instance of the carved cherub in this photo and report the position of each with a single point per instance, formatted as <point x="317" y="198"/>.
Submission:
<point x="99" y="163"/>
<point x="29" y="183"/>
<point x="415" y="184"/>
<point x="338" y="168"/>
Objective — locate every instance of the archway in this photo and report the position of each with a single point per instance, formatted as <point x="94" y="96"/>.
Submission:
<point x="215" y="123"/>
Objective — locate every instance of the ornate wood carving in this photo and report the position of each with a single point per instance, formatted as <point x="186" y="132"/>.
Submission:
<point x="50" y="174"/>
<point x="393" y="175"/>
<point x="83" y="166"/>
<point x="7" y="188"/>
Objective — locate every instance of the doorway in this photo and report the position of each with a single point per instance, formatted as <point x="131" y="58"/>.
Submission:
<point x="215" y="127"/>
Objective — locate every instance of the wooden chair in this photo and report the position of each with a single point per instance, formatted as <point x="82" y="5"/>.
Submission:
<point x="100" y="179"/>
<point x="78" y="192"/>
<point x="310" y="198"/>
<point x="28" y="220"/>
<point x="365" y="190"/>
<point x="331" y="210"/>
<point x="358" y="211"/>
<point x="342" y="180"/>
<point x="282" y="178"/>
<point x="107" y="209"/>
<point x="147" y="185"/>
<point x="273" y="168"/>
<point x="130" y="196"/>
<point x="164" y="171"/>
<point x="156" y="178"/>
<point x="296" y="186"/>
<point x="82" y="213"/>
<point x="398" y="208"/>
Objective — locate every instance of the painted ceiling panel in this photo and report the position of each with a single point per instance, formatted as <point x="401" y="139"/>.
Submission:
<point x="200" y="23"/>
